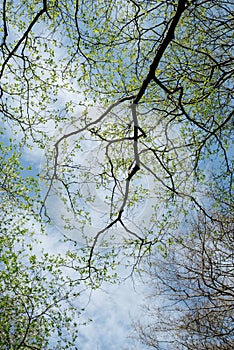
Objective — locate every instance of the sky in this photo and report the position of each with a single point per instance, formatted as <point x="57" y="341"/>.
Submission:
<point x="112" y="307"/>
<point x="112" y="310"/>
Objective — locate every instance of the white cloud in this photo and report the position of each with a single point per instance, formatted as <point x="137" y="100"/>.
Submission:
<point x="111" y="310"/>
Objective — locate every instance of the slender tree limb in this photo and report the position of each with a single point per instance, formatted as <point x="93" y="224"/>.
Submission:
<point x="162" y="48"/>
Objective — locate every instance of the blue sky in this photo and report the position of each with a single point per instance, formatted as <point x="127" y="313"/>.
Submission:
<point x="111" y="308"/>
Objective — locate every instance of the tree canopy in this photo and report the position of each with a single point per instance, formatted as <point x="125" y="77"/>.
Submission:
<point x="190" y="303"/>
<point x="132" y="104"/>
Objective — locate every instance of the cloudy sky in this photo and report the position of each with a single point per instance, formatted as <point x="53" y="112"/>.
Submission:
<point x="111" y="308"/>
